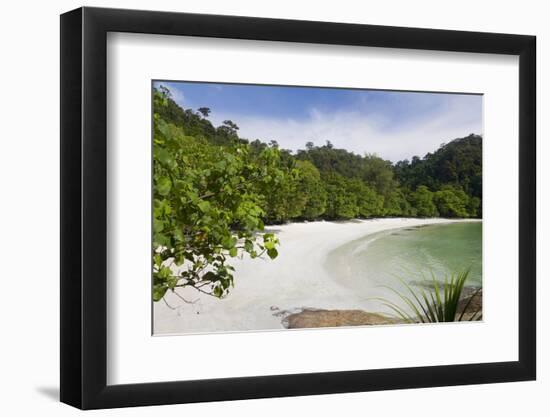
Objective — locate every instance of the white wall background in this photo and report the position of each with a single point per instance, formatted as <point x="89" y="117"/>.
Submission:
<point x="29" y="213"/>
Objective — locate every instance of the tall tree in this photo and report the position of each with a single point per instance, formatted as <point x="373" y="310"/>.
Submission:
<point x="205" y="111"/>
<point x="422" y="200"/>
<point x="311" y="187"/>
<point x="341" y="201"/>
<point x="451" y="202"/>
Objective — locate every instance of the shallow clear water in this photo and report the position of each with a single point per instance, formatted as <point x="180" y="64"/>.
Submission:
<point x="411" y="254"/>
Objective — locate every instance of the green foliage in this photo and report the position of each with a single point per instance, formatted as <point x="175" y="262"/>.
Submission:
<point x="341" y="201"/>
<point x="311" y="189"/>
<point x="371" y="169"/>
<point x="214" y="191"/>
<point x="368" y="202"/>
<point x="396" y="204"/>
<point x="327" y="159"/>
<point x="206" y="208"/>
<point x="439" y="303"/>
<point x="422" y="200"/>
<point x="284" y="202"/>
<point x="458" y="163"/>
<point x="378" y="174"/>
<point x="451" y="202"/>
<point x="474" y="207"/>
<point x="169" y="111"/>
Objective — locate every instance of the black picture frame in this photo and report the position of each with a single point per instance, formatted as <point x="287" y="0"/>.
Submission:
<point x="84" y="207"/>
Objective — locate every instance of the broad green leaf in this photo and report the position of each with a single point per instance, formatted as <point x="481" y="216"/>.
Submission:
<point x="158" y="292"/>
<point x="163" y="186"/>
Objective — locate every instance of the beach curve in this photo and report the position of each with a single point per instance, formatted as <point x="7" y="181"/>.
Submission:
<point x="267" y="291"/>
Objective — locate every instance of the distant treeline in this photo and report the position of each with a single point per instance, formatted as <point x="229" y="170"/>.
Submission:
<point x="323" y="182"/>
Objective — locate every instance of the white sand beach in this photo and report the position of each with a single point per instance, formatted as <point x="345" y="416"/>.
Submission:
<point x="266" y="290"/>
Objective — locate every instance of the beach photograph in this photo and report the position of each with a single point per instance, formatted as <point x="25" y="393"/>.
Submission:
<point x="298" y="207"/>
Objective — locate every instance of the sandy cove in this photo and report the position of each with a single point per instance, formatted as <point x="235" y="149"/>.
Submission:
<point x="268" y="292"/>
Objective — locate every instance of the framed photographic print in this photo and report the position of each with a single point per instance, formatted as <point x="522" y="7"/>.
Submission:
<point x="291" y="208"/>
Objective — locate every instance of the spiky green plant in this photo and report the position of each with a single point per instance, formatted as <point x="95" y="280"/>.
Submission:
<point x="439" y="304"/>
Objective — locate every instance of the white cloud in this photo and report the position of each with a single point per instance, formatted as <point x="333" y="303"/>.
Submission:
<point x="179" y="97"/>
<point x="359" y="133"/>
<point x="175" y="91"/>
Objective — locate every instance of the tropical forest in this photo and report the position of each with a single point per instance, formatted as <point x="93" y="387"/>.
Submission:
<point x="218" y="195"/>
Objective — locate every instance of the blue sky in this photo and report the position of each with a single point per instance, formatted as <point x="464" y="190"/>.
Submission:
<point x="394" y="125"/>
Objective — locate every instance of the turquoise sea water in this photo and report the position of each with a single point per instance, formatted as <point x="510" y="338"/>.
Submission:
<point x="411" y="254"/>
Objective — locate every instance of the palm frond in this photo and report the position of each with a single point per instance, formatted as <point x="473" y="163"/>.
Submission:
<point x="439" y="304"/>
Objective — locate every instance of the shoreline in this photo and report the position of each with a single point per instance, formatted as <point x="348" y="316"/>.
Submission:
<point x="267" y="292"/>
